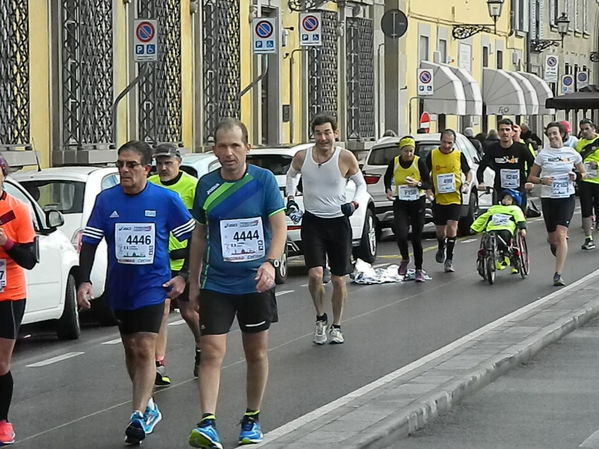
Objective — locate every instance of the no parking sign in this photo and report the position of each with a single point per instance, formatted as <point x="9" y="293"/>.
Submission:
<point x="145" y="40"/>
<point x="310" y="29"/>
<point x="425" y="82"/>
<point x="264" y="35"/>
<point x="582" y="79"/>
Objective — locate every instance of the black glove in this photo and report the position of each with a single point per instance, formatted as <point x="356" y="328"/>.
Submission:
<point x="349" y="208"/>
<point x="291" y="206"/>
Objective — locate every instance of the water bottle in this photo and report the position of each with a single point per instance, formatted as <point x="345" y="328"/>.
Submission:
<point x="294" y="212"/>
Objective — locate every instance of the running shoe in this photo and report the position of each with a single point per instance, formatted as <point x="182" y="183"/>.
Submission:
<point x="499" y="265"/>
<point x="196" y="366"/>
<point x="558" y="280"/>
<point x="403" y="267"/>
<point x="588" y="244"/>
<point x="152" y="416"/>
<point x="135" y="433"/>
<point x="515" y="269"/>
<point x="449" y="266"/>
<point x="335" y="336"/>
<point x="440" y="255"/>
<point x="419" y="277"/>
<point x="162" y="379"/>
<point x="320" y="332"/>
<point x="251" y="432"/>
<point x="7" y="433"/>
<point x="205" y="436"/>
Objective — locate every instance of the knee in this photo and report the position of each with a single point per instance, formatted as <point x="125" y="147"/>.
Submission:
<point x="188" y="314"/>
<point x="4" y="367"/>
<point x="338" y="282"/>
<point x="315" y="274"/>
<point x="256" y="356"/>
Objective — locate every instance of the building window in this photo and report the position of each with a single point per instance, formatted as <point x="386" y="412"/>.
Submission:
<point x="499" y="59"/>
<point x="585" y="21"/>
<point x="485" y="56"/>
<point x="553" y="12"/>
<point x="423" y="48"/>
<point x="520" y="17"/>
<point x="442" y="51"/>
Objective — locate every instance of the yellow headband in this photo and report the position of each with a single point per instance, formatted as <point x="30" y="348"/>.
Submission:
<point x="407" y="142"/>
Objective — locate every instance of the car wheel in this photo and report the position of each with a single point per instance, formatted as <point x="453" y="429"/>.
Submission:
<point x="466" y="221"/>
<point x="366" y="250"/>
<point x="67" y="327"/>
<point x="102" y="313"/>
<point x="281" y="272"/>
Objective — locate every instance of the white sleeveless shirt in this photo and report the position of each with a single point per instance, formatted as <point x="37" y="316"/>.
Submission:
<point x="323" y="186"/>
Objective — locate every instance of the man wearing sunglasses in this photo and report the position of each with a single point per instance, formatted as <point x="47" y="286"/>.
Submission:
<point x="136" y="218"/>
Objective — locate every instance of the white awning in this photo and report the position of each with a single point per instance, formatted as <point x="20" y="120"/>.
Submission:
<point x="543" y="92"/>
<point x="530" y="94"/>
<point x="502" y="95"/>
<point x="448" y="96"/>
<point x="474" y="99"/>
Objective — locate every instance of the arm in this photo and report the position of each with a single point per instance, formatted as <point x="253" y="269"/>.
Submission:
<point x="580" y="168"/>
<point x="388" y="177"/>
<point x="480" y="224"/>
<point x="467" y="171"/>
<point x="86" y="262"/>
<point x="265" y="276"/>
<point x="293" y="173"/>
<point x="354" y="173"/>
<point x="484" y="163"/>
<point x="534" y="177"/>
<point x="22" y="253"/>
<point x="197" y="248"/>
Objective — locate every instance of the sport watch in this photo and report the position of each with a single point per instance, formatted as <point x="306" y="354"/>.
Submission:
<point x="274" y="262"/>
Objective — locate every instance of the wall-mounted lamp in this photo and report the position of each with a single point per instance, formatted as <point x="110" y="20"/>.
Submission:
<point x="466" y="30"/>
<point x="538" y="45"/>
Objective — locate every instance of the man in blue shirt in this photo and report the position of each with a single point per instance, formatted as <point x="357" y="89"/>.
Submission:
<point x="136" y="217"/>
<point x="237" y="244"/>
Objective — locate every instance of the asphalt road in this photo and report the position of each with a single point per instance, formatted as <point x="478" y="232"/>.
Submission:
<point x="77" y="394"/>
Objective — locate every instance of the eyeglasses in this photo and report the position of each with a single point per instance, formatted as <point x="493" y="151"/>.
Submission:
<point x="130" y="164"/>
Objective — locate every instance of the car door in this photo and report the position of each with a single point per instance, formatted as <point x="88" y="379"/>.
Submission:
<point x="44" y="281"/>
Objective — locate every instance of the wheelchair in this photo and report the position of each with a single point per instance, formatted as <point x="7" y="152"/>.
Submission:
<point x="490" y="252"/>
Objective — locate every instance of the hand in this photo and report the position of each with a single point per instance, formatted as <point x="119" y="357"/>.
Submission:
<point x="176" y="286"/>
<point x="546" y="181"/>
<point x="528" y="186"/>
<point x="290" y="204"/>
<point x="389" y="193"/>
<point x="465" y="187"/>
<point x="194" y="295"/>
<point x="482" y="187"/>
<point x="411" y="182"/>
<point x="430" y="195"/>
<point x="265" y="277"/>
<point x="349" y="208"/>
<point x="572" y="176"/>
<point x="593" y="165"/>
<point x="84" y="295"/>
<point x="523" y="232"/>
<point x="3" y="237"/>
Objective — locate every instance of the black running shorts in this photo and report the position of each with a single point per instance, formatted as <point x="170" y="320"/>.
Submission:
<point x="557" y="211"/>
<point x="255" y="311"/>
<point x="442" y="213"/>
<point x="11" y="316"/>
<point x="327" y="237"/>
<point x="144" y="319"/>
<point x="589" y="198"/>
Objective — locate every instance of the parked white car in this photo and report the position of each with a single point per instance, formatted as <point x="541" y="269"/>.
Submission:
<point x="362" y="221"/>
<point x="387" y="148"/>
<point x="51" y="284"/>
<point x="72" y="191"/>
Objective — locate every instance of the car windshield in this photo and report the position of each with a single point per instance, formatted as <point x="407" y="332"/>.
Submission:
<point x="384" y="155"/>
<point x="64" y="196"/>
<point x="278" y="164"/>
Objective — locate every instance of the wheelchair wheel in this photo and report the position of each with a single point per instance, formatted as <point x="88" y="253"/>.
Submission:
<point x="480" y="260"/>
<point x="490" y="252"/>
<point x="523" y="256"/>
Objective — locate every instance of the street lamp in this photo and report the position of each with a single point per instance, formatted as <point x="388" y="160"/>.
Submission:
<point x="465" y="30"/>
<point x="538" y="45"/>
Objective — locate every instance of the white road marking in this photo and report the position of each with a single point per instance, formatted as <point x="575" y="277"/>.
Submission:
<point x="304" y="285"/>
<point x="469" y="241"/>
<point x="592" y="441"/>
<point x="116" y="341"/>
<point x="58" y="358"/>
<point x="315" y="414"/>
<point x="177" y="323"/>
<point x="284" y="292"/>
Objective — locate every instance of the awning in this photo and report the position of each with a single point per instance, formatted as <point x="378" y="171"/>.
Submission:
<point x="448" y="96"/>
<point x="530" y="94"/>
<point x="502" y="95"/>
<point x="474" y="98"/>
<point x="577" y="100"/>
<point x="543" y="92"/>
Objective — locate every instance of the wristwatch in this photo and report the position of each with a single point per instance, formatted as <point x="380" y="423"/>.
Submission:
<point x="274" y="262"/>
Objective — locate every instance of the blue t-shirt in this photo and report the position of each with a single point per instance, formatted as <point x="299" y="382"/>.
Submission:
<point x="236" y="215"/>
<point x="136" y="229"/>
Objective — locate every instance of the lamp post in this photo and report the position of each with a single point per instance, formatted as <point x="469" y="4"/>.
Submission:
<point x="465" y="30"/>
<point x="538" y="45"/>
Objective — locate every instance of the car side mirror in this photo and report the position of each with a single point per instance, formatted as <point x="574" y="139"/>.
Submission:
<point x="54" y="218"/>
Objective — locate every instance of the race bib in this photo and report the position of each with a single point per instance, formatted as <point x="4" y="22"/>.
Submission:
<point x="510" y="178"/>
<point x="560" y="186"/>
<point x="592" y="172"/>
<point x="446" y="183"/>
<point x="407" y="193"/>
<point x="135" y="243"/>
<point x="2" y="274"/>
<point x="500" y="219"/>
<point x="242" y="239"/>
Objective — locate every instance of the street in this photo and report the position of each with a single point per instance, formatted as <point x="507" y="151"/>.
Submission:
<point x="78" y="392"/>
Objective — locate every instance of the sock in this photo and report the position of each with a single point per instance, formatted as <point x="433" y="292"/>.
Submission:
<point x="254" y="414"/>
<point x="441" y="243"/>
<point x="151" y="403"/>
<point x="6" y="388"/>
<point x="450" y="246"/>
<point x="322" y="317"/>
<point x="208" y="417"/>
<point x="336" y="326"/>
<point x="160" y="360"/>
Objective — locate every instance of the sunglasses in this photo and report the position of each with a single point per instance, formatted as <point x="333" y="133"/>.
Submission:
<point x="129" y="164"/>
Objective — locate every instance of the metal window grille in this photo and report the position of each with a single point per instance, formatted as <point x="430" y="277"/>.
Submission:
<point x="87" y="66"/>
<point x="322" y="69"/>
<point x="360" y="78"/>
<point x="160" y="89"/>
<point x="14" y="72"/>
<point x="222" y="59"/>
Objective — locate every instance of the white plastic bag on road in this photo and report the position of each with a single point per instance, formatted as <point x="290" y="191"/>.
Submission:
<point x="365" y="274"/>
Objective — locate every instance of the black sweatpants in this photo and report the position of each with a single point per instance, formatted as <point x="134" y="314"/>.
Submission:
<point x="406" y="214"/>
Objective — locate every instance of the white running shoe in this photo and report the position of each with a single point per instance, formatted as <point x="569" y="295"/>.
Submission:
<point x="335" y="336"/>
<point x="320" y="333"/>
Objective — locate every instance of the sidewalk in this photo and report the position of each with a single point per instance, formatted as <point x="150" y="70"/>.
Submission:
<point x="379" y="414"/>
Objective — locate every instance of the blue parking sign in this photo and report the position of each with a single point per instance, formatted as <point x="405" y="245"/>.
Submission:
<point x="139" y="49"/>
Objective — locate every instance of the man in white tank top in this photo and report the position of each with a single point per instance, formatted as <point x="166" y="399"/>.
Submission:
<point x="326" y="231"/>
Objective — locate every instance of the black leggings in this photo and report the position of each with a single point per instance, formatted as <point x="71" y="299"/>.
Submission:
<point x="406" y="214"/>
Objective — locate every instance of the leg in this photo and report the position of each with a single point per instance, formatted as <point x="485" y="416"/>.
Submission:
<point x="339" y="298"/>
<point x="255" y="346"/>
<point x="6" y="381"/>
<point x="316" y="289"/>
<point x="561" y="243"/>
<point x="417" y="223"/>
<point x="140" y="349"/>
<point x="192" y="318"/>
<point x="214" y="348"/>
<point x="401" y="218"/>
<point x="162" y="333"/>
<point x="452" y="232"/>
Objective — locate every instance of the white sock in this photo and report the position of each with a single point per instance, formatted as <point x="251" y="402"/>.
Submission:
<point x="151" y="403"/>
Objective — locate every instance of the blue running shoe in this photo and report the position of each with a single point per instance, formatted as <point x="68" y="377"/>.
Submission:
<point x="152" y="416"/>
<point x="205" y="436"/>
<point x="135" y="433"/>
<point x="251" y="432"/>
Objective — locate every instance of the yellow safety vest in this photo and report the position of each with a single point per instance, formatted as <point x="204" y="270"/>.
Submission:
<point x="400" y="174"/>
<point x="447" y="191"/>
